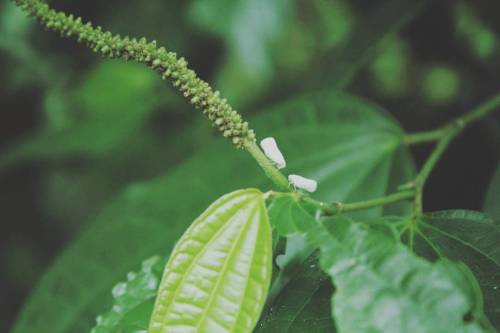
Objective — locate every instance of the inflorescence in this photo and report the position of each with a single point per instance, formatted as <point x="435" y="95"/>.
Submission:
<point x="198" y="92"/>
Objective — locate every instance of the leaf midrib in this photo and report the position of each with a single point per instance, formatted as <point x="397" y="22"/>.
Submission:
<point x="202" y="251"/>
<point x="224" y="269"/>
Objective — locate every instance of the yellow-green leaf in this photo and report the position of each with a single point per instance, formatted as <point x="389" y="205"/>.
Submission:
<point x="217" y="277"/>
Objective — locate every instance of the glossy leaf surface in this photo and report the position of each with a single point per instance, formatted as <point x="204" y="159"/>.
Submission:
<point x="218" y="274"/>
<point x="470" y="237"/>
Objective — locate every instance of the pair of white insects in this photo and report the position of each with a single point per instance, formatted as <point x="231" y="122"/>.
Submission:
<point x="271" y="150"/>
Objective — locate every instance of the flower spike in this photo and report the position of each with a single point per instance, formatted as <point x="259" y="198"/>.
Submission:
<point x="167" y="64"/>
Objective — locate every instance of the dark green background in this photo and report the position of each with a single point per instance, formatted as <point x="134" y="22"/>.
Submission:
<point x="75" y="129"/>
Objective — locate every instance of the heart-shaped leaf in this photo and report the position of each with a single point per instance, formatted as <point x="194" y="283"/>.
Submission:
<point x="383" y="287"/>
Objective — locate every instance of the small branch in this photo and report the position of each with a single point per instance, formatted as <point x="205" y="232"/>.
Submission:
<point x="422" y="137"/>
<point x="481" y="111"/>
<point x="435" y="135"/>
<point x="446" y="135"/>
<point x="391" y="198"/>
<point x="330" y="209"/>
<point x="433" y="158"/>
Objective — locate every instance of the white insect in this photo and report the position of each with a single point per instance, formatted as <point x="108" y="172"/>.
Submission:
<point x="272" y="151"/>
<point x="303" y="183"/>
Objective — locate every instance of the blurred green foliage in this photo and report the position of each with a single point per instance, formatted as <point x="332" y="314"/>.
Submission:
<point x="390" y="68"/>
<point x="440" y="84"/>
<point x="101" y="150"/>
<point x="480" y="38"/>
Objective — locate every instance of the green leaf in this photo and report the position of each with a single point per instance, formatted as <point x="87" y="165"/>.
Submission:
<point x="383" y="287"/>
<point x="28" y="67"/>
<point x="474" y="32"/>
<point x="470" y="237"/>
<point x="110" y="105"/>
<point x="148" y="217"/>
<point x="287" y="216"/>
<point x="491" y="203"/>
<point x="218" y="274"/>
<point x="132" y="298"/>
<point x="305" y="303"/>
<point x="323" y="47"/>
<point x="390" y="68"/>
<point x="250" y="29"/>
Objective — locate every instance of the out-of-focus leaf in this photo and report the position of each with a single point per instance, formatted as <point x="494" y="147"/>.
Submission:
<point x="482" y="41"/>
<point x="218" y="274"/>
<point x="470" y="237"/>
<point x="382" y="287"/>
<point x="492" y="201"/>
<point x="296" y="47"/>
<point x="337" y="67"/>
<point x="336" y="21"/>
<point x="13" y="23"/>
<point x="73" y="195"/>
<point x="390" y="67"/>
<point x="131" y="298"/>
<point x="440" y="84"/>
<point x="250" y="29"/>
<point x="111" y="104"/>
<point x="148" y="217"/>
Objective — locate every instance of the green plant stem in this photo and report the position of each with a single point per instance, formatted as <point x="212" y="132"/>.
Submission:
<point x="445" y="135"/>
<point x="435" y="155"/>
<point x="391" y="198"/>
<point x="481" y="111"/>
<point x="329" y="209"/>
<point x="437" y="134"/>
<point x="429" y="165"/>
<point x="269" y="168"/>
<point x="421" y="137"/>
